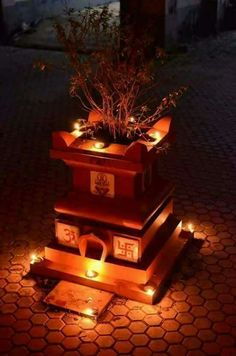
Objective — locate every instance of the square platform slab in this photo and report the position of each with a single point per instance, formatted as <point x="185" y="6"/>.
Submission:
<point x="78" y="298"/>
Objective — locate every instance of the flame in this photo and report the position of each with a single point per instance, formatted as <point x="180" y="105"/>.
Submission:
<point x="99" y="145"/>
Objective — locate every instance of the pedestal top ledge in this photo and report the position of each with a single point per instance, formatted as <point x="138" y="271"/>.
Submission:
<point x="70" y="147"/>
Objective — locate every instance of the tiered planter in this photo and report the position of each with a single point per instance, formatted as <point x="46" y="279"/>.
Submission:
<point x="115" y="230"/>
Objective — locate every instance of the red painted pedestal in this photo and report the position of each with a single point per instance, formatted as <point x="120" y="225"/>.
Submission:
<point x="115" y="230"/>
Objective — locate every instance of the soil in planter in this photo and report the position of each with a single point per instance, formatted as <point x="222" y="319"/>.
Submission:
<point x="103" y="133"/>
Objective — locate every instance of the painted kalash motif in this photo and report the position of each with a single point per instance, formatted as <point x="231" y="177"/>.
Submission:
<point x="115" y="230"/>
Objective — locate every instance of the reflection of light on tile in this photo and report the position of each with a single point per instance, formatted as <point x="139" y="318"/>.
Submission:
<point x="190" y="228"/>
<point x="91" y="274"/>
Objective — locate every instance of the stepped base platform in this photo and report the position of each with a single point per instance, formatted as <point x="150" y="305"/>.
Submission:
<point x="115" y="276"/>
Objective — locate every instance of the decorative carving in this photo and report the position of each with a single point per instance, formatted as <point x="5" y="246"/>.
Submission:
<point x="102" y="184"/>
<point x="83" y="242"/>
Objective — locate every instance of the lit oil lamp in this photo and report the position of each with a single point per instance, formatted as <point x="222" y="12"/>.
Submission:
<point x="35" y="259"/>
<point x="99" y="145"/>
<point x="132" y="119"/>
<point x="91" y="274"/>
<point x="150" y="290"/>
<point x="155" y="134"/>
<point x="77" y="125"/>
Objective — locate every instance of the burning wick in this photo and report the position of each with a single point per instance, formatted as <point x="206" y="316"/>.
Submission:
<point x="150" y="290"/>
<point x="155" y="135"/>
<point x="34" y="258"/>
<point x="132" y="119"/>
<point x="99" y="145"/>
<point x="77" y="126"/>
<point x="190" y="228"/>
<point x="91" y="274"/>
<point x="91" y="311"/>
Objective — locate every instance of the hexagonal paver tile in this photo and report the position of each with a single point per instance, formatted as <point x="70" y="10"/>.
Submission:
<point x="88" y="335"/>
<point x="221" y="328"/>
<point x="212" y="305"/>
<point x="192" y="343"/>
<point x="14" y="278"/>
<point x="157" y="345"/>
<point x="22" y="325"/>
<point x="36" y="344"/>
<point x="53" y="350"/>
<point x="211" y="348"/>
<point x="10" y="298"/>
<point x="188" y="330"/>
<point x="184" y="318"/>
<point x="152" y="320"/>
<point x="12" y="287"/>
<point x="120" y="321"/>
<point x="71" y="343"/>
<point x="55" y="324"/>
<point x="19" y="350"/>
<point x="121" y="334"/>
<point x="6" y="332"/>
<point x="195" y="300"/>
<point x="155" y="332"/>
<point x="26" y="291"/>
<point x="28" y="282"/>
<point x="39" y="319"/>
<point x="21" y="338"/>
<point x="225" y="340"/>
<point x="216" y="315"/>
<point x="192" y="290"/>
<point x="23" y="313"/>
<point x="136" y="314"/>
<point x="38" y="307"/>
<point x="55" y="314"/>
<point x="71" y="330"/>
<point x="179" y="350"/>
<point x="8" y="308"/>
<point x="139" y="339"/>
<point x="7" y="320"/>
<point x="202" y="323"/>
<point x="141" y="351"/>
<point x="173" y="337"/>
<point x="38" y="331"/>
<point x="170" y="325"/>
<point x="123" y="347"/>
<point x="182" y="307"/>
<point x="106" y="352"/>
<point x="119" y="310"/>
<point x="54" y="337"/>
<point x="88" y="349"/>
<point x="206" y="335"/>
<point x="86" y="323"/>
<point x="149" y="309"/>
<point x="25" y="302"/>
<point x="209" y="294"/>
<point x="104" y="328"/>
<point x="179" y="296"/>
<point x="198" y="311"/>
<point x="105" y="341"/>
<point x="137" y="327"/>
<point x="166" y="302"/>
<point x="168" y="313"/>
